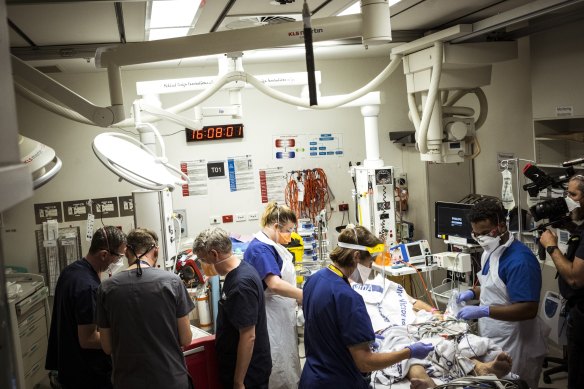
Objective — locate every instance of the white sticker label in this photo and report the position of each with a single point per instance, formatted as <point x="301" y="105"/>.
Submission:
<point x="565" y="110"/>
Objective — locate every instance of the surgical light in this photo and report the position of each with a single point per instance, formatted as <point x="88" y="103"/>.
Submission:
<point x="132" y="161"/>
<point x="41" y="160"/>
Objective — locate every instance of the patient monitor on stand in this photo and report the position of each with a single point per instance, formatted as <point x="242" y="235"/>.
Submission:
<point x="452" y="225"/>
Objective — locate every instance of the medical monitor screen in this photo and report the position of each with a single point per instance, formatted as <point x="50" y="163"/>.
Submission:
<point x="414" y="250"/>
<point x="451" y="219"/>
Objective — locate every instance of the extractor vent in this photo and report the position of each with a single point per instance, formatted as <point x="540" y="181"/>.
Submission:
<point x="254" y="21"/>
<point x="49" y="69"/>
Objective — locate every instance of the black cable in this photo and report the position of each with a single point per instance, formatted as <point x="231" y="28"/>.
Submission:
<point x="309" y="54"/>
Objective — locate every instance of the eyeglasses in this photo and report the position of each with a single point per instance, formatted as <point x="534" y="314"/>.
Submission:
<point x="114" y="254"/>
<point x="492" y="233"/>
<point x="287" y="231"/>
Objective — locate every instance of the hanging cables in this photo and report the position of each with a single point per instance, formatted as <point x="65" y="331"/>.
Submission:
<point x="307" y="192"/>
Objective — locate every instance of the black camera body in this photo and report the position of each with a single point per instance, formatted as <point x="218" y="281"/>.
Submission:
<point x="549" y="209"/>
<point x="555" y="209"/>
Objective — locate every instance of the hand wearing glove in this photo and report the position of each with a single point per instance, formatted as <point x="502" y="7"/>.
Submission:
<point x="473" y="312"/>
<point x="420" y="350"/>
<point x="465" y="296"/>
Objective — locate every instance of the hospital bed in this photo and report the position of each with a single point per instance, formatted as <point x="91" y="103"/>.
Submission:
<point x="397" y="325"/>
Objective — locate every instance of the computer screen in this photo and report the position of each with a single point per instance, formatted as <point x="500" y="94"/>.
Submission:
<point x="414" y="250"/>
<point x="451" y="219"/>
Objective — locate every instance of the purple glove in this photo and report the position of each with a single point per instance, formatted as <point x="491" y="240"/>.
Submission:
<point x="465" y="296"/>
<point x="420" y="350"/>
<point x="473" y="312"/>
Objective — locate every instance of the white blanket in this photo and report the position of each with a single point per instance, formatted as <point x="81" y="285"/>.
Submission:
<point x="396" y="325"/>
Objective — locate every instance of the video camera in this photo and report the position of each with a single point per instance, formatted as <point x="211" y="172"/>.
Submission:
<point x="555" y="209"/>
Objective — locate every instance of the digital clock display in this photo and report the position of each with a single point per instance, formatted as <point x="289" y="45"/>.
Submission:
<point x="227" y="131"/>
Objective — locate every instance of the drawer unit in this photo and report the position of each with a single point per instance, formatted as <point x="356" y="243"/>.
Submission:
<point x="29" y="318"/>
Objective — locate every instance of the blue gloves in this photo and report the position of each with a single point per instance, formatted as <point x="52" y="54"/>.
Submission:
<point x="473" y="312"/>
<point x="420" y="350"/>
<point x="465" y="296"/>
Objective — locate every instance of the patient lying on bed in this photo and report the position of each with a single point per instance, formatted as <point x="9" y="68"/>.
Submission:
<point x="399" y="320"/>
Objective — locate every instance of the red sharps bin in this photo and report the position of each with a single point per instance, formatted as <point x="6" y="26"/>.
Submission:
<point x="201" y="360"/>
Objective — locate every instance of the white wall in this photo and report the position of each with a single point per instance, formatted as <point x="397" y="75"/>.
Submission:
<point x="508" y="129"/>
<point x="83" y="176"/>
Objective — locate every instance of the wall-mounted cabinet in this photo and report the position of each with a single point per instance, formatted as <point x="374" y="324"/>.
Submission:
<point x="558" y="140"/>
<point x="557" y="60"/>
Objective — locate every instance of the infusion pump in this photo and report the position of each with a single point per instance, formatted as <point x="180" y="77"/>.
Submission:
<point x="376" y="201"/>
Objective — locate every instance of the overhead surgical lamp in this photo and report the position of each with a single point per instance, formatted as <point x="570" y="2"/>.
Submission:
<point x="132" y="161"/>
<point x="41" y="160"/>
<point x="135" y="160"/>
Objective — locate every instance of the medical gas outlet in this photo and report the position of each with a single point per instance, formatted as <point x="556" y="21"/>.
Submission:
<point x="457" y="262"/>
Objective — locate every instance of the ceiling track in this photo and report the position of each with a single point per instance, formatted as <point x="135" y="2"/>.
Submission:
<point x="223" y="15"/>
<point x="87" y="51"/>
<point x="21" y="33"/>
<point x="120" y="21"/>
<point x="517" y="15"/>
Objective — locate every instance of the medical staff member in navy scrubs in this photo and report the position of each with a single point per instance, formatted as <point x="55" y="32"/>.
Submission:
<point x="273" y="263"/>
<point x="337" y="329"/>
<point x="510" y="285"/>
<point x="74" y="348"/>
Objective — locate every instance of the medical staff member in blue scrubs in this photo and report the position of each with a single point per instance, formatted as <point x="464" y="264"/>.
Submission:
<point x="274" y="264"/>
<point x="510" y="285"/>
<point x="337" y="329"/>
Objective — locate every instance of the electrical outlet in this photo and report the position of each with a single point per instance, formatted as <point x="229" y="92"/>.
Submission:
<point x="401" y="181"/>
<point x="240" y="217"/>
<point x="343" y="207"/>
<point x="214" y="220"/>
<point x="181" y="214"/>
<point x="252" y="216"/>
<point x="227" y="218"/>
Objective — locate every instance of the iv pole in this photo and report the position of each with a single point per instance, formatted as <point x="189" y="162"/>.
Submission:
<point x="505" y="165"/>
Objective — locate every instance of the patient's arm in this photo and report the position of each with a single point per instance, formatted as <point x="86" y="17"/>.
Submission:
<point x="367" y="361"/>
<point x="419" y="305"/>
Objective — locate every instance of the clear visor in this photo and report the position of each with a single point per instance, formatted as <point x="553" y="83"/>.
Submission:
<point x="371" y="250"/>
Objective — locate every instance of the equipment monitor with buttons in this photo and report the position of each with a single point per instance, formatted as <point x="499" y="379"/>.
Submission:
<point x="415" y="252"/>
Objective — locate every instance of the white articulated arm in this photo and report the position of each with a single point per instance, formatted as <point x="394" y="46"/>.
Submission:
<point x="100" y="116"/>
<point x="423" y="123"/>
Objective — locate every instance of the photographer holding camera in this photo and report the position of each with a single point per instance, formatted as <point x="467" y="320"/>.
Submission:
<point x="570" y="268"/>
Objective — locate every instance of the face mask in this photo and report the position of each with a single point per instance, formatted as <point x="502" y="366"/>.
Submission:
<point x="488" y="243"/>
<point x="284" y="238"/>
<point x="116" y="267"/>
<point x="361" y="274"/>
<point x="112" y="269"/>
<point x="209" y="268"/>
<point x="571" y="203"/>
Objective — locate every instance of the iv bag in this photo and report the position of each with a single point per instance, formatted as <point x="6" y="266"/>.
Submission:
<point x="507" y="191"/>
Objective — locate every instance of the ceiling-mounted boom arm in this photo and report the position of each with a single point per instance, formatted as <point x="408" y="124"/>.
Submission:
<point x="101" y="116"/>
<point x="373" y="26"/>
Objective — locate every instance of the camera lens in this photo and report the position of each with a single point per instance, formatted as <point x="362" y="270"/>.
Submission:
<point x="549" y="209"/>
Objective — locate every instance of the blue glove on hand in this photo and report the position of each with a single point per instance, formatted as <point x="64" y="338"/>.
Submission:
<point x="420" y="350"/>
<point x="473" y="312"/>
<point x="465" y="296"/>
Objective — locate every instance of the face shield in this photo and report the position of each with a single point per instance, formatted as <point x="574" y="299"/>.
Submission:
<point x="373" y="251"/>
